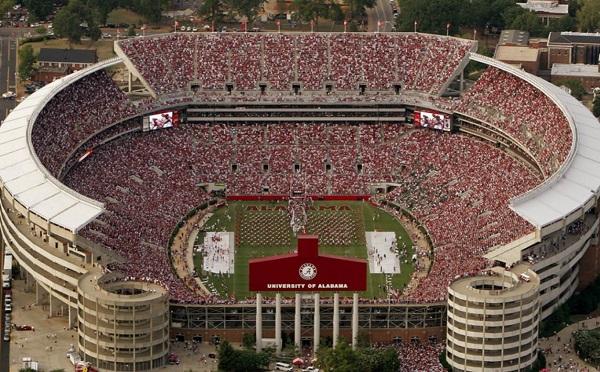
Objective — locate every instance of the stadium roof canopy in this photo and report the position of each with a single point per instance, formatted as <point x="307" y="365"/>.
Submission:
<point x="578" y="180"/>
<point x="23" y="175"/>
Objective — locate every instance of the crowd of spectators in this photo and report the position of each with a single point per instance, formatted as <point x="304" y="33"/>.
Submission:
<point x="459" y="190"/>
<point x="439" y="178"/>
<point x="419" y="357"/>
<point x="415" y="61"/>
<point x="523" y="112"/>
<point x="75" y="113"/>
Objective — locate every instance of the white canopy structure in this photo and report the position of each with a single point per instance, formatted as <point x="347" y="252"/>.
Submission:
<point x="577" y="182"/>
<point x="26" y="179"/>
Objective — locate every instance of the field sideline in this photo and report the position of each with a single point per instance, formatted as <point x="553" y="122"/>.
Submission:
<point x="276" y="237"/>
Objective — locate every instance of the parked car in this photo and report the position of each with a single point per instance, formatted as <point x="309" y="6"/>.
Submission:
<point x="9" y="95"/>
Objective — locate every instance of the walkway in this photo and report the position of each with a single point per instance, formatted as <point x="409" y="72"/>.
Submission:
<point x="560" y="348"/>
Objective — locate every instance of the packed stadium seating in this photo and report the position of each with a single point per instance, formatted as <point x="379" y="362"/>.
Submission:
<point x="440" y="178"/>
<point x="75" y="113"/>
<point x="415" y="61"/>
<point x="516" y="107"/>
<point x="457" y="187"/>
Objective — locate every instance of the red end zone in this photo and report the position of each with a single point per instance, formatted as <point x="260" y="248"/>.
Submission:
<point x="307" y="271"/>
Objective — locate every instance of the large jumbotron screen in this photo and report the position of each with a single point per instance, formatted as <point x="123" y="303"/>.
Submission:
<point x="161" y="120"/>
<point x="434" y="120"/>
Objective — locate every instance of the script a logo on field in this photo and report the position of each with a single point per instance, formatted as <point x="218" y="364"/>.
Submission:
<point x="308" y="271"/>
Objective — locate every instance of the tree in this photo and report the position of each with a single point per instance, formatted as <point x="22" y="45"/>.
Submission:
<point x="340" y="359"/>
<point x="587" y="344"/>
<point x="380" y="360"/>
<point x="576" y="87"/>
<point x="131" y="30"/>
<point x="151" y="9"/>
<point x="246" y="8"/>
<point x="482" y="13"/>
<point x="357" y="9"/>
<point x="6" y="5"/>
<point x="574" y="6"/>
<point x="231" y="360"/>
<point x="67" y="25"/>
<point x="27" y="59"/>
<point x="249" y="340"/>
<point x="41" y="30"/>
<point x="564" y="23"/>
<point x="312" y="10"/>
<point x="432" y="16"/>
<point x="528" y="21"/>
<point x="596" y="107"/>
<point x="588" y="15"/>
<point x="75" y="20"/>
<point x="212" y="10"/>
<point x="39" y="9"/>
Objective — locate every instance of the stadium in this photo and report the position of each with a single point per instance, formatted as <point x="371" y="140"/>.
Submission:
<point x="134" y="193"/>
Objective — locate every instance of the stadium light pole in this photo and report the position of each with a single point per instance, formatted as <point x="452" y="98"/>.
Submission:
<point x="416" y="26"/>
<point x="447" y="29"/>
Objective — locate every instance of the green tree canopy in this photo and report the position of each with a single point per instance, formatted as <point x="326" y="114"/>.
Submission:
<point x="576" y="87"/>
<point x="76" y="20"/>
<point x="246" y="8"/>
<point x="588" y="15"/>
<point x="432" y="16"/>
<point x="40" y="9"/>
<point x="596" y="107"/>
<point x="232" y="360"/>
<point x="6" y="5"/>
<point x="27" y="59"/>
<point x="343" y="359"/>
<point x="526" y="21"/>
<point x="587" y="344"/>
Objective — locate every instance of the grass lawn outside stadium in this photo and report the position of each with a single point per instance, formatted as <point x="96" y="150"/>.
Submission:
<point x="263" y="229"/>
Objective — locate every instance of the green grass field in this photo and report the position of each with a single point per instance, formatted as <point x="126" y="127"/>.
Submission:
<point x="352" y="218"/>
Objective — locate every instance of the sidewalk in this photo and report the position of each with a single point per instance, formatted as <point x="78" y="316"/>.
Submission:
<point x="560" y="350"/>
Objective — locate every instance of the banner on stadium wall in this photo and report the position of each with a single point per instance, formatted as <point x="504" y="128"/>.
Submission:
<point x="307" y="271"/>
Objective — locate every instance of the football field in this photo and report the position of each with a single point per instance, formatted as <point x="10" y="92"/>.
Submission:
<point x="263" y="229"/>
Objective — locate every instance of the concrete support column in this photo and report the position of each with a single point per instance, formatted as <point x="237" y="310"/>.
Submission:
<point x="51" y="307"/>
<point x="297" y="320"/>
<point x="258" y="322"/>
<point x="37" y="294"/>
<point x="317" y="324"/>
<point x="72" y="316"/>
<point x="278" y="322"/>
<point x="462" y="81"/>
<point x="336" y="318"/>
<point x="354" y="320"/>
<point x="129" y="82"/>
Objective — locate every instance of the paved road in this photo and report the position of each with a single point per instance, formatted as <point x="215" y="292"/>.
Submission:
<point x="8" y="68"/>
<point x="381" y="12"/>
